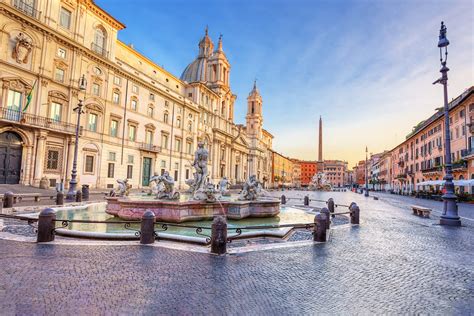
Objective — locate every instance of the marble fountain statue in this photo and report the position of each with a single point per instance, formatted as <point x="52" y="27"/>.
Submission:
<point x="319" y="182"/>
<point x="204" y="201"/>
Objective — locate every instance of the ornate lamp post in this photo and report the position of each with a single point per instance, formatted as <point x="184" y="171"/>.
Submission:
<point x="71" y="194"/>
<point x="450" y="208"/>
<point x="366" y="175"/>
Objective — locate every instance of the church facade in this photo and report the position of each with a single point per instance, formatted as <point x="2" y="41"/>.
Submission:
<point x="138" y="119"/>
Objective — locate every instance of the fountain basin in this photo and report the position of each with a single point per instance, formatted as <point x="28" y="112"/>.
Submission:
<point x="185" y="211"/>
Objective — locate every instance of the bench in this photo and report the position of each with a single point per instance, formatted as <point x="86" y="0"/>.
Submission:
<point x="421" y="211"/>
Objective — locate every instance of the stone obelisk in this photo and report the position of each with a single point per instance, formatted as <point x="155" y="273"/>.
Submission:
<point x="320" y="163"/>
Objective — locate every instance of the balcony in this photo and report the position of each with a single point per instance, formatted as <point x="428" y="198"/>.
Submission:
<point x="26" y="8"/>
<point x="149" y="147"/>
<point x="99" y="50"/>
<point x="459" y="165"/>
<point x="433" y="170"/>
<point x="17" y="117"/>
<point x="401" y="176"/>
<point x="467" y="153"/>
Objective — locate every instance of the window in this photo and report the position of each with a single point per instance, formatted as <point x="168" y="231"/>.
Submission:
<point x="189" y="148"/>
<point x="165" y="117"/>
<point x="149" y="137"/>
<point x="135" y="89"/>
<point x="59" y="75"/>
<point x="112" y="156"/>
<point x="61" y="53"/>
<point x="65" y="18"/>
<point x="52" y="162"/>
<point x="130" y="159"/>
<point x="129" y="171"/>
<point x="178" y="122"/>
<point x="152" y="97"/>
<point x="89" y="164"/>
<point x="14" y="100"/>
<point x="92" y="122"/>
<point x="117" y="80"/>
<point x="110" y="170"/>
<point x="113" y="128"/>
<point x="176" y="175"/>
<point x="96" y="89"/>
<point x="163" y="164"/>
<point x="116" y="98"/>
<point x="164" y="141"/>
<point x="132" y="132"/>
<point x="97" y="71"/>
<point x="176" y="165"/>
<point x="55" y="111"/>
<point x="177" y="144"/>
<point x="99" y="40"/>
<point x="133" y="105"/>
<point x="187" y="174"/>
<point x="150" y="111"/>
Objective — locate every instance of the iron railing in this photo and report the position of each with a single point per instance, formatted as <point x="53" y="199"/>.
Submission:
<point x="26" y="8"/>
<point x="149" y="147"/>
<point x="18" y="117"/>
<point x="99" y="50"/>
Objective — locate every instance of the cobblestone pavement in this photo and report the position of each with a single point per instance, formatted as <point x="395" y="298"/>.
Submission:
<point x="393" y="262"/>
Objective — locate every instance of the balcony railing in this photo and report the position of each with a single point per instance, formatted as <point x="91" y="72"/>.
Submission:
<point x="467" y="152"/>
<point x="460" y="165"/>
<point x="26" y="8"/>
<point x="432" y="169"/>
<point x="17" y="117"/>
<point x="99" y="50"/>
<point x="149" y="147"/>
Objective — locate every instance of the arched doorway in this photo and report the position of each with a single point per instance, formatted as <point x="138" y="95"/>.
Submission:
<point x="10" y="158"/>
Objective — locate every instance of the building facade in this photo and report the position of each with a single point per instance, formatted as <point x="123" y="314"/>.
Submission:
<point x="282" y="170"/>
<point x="336" y="172"/>
<point x="138" y="119"/>
<point x="308" y="170"/>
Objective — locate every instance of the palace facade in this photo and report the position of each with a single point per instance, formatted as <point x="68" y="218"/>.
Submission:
<point x="138" y="119"/>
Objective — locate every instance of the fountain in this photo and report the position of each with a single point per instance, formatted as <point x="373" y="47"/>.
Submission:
<point x="202" y="201"/>
<point x="320" y="183"/>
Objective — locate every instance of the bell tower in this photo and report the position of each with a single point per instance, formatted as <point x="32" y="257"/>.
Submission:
<point x="254" y="113"/>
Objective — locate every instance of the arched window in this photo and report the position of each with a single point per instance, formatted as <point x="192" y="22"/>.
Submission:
<point x="100" y="40"/>
<point x="178" y="122"/>
<point x="165" y="117"/>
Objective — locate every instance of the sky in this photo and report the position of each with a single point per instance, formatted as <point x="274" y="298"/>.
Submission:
<point x="366" y="67"/>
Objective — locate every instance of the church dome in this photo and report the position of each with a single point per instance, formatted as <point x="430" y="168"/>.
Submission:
<point x="195" y="71"/>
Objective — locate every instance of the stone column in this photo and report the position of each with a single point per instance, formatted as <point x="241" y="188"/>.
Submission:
<point x="39" y="159"/>
<point x="26" y="165"/>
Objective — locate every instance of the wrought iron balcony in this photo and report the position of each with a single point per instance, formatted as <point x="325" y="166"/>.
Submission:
<point x="435" y="169"/>
<point x="17" y="117"/>
<point x="149" y="147"/>
<point x="467" y="152"/>
<point x="26" y="8"/>
<point x="459" y="165"/>
<point x="99" y="50"/>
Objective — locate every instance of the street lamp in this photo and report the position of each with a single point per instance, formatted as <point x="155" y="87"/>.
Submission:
<point x="71" y="194"/>
<point x="450" y="208"/>
<point x="366" y="175"/>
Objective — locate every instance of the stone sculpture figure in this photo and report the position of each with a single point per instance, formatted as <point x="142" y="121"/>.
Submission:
<point x="22" y="49"/>
<point x="224" y="187"/>
<point x="123" y="188"/>
<point x="200" y="187"/>
<point x="154" y="186"/>
<point x="250" y="189"/>
<point x="319" y="182"/>
<point x="166" y="191"/>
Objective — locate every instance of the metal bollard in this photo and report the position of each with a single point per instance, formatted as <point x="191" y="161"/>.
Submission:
<point x="283" y="199"/>
<point x="355" y="211"/>
<point x="219" y="235"/>
<point x="60" y="198"/>
<point x="8" y="199"/>
<point x="306" y="200"/>
<point x="331" y="207"/>
<point x="319" y="233"/>
<point x="85" y="192"/>
<point x="46" y="225"/>
<point x="325" y="212"/>
<point x="147" y="229"/>
<point x="78" y="196"/>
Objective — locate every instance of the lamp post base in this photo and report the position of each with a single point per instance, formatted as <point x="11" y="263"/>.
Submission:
<point x="450" y="221"/>
<point x="71" y="195"/>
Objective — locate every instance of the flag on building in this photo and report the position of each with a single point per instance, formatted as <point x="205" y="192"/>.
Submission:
<point x="29" y="97"/>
